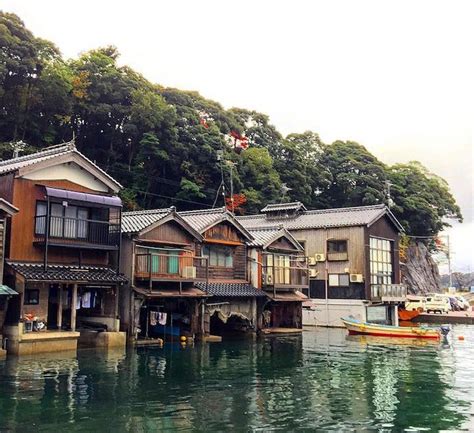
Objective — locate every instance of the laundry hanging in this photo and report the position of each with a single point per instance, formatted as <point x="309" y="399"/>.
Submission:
<point x="153" y="318"/>
<point x="162" y="318"/>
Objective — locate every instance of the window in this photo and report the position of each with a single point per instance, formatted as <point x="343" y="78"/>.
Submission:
<point x="31" y="297"/>
<point x="40" y="220"/>
<point x="218" y="255"/>
<point x="280" y="263"/>
<point x="65" y="221"/>
<point x="337" y="246"/>
<point x="381" y="261"/>
<point x="338" y="280"/>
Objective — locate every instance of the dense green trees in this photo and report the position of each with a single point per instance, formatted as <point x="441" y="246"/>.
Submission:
<point x="168" y="146"/>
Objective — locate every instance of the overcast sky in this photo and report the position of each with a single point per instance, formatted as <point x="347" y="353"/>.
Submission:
<point x="396" y="76"/>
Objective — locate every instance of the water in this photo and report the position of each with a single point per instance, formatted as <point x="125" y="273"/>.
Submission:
<point x="321" y="381"/>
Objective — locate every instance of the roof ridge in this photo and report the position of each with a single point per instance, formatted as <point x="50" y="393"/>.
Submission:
<point x="345" y="209"/>
<point x="48" y="151"/>
<point x="200" y="211"/>
<point x="268" y="228"/>
<point x="147" y="211"/>
<point x="258" y="215"/>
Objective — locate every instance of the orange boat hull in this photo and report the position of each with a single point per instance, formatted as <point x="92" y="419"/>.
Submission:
<point x="407" y="315"/>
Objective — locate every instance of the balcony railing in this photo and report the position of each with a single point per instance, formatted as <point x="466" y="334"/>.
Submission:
<point x="67" y="231"/>
<point x="388" y="292"/>
<point x="285" y="276"/>
<point x="170" y="266"/>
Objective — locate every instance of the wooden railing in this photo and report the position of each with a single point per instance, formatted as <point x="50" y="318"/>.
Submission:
<point x="296" y="275"/>
<point x="76" y="231"/>
<point x="169" y="266"/>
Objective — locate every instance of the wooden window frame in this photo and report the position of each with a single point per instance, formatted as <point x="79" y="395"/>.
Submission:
<point x="27" y="299"/>
<point x="218" y="249"/>
<point x="337" y="256"/>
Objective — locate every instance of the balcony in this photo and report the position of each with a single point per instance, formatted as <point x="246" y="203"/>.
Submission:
<point x="76" y="233"/>
<point x="388" y="292"/>
<point x="170" y="267"/>
<point x="295" y="276"/>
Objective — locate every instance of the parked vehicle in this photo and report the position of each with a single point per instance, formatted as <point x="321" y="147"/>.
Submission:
<point x="463" y="303"/>
<point x="415" y="303"/>
<point x="437" y="304"/>
<point x="455" y="306"/>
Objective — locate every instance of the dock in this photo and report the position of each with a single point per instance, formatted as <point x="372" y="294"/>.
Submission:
<point x="282" y="331"/>
<point x="453" y="317"/>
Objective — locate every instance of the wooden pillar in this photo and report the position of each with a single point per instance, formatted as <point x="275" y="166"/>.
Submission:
<point x="116" y="306"/>
<point x="59" y="320"/>
<point x="73" y="307"/>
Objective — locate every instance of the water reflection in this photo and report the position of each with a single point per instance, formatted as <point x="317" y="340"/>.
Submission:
<point x="322" y="380"/>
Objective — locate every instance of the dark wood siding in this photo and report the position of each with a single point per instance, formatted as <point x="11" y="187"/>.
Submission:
<point x="224" y="232"/>
<point x="169" y="232"/>
<point x="227" y="234"/>
<point x="6" y="186"/>
<point x="282" y="244"/>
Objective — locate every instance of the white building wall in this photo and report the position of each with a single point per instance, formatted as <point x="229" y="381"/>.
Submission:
<point x="68" y="171"/>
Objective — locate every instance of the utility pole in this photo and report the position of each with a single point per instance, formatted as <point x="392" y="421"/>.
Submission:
<point x="448" y="254"/>
<point x="388" y="193"/>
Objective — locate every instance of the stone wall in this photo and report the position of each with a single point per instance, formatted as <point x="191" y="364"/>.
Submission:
<point x="420" y="272"/>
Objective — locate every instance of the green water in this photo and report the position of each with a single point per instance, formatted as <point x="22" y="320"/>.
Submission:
<point x="320" y="381"/>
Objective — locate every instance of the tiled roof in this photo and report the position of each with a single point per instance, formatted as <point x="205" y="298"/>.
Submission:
<point x="231" y="289"/>
<point x="340" y="217"/>
<point x="264" y="236"/>
<point x="278" y="207"/>
<point x="86" y="274"/>
<point x="9" y="165"/>
<point x="6" y="291"/>
<point x="201" y="219"/>
<point x="135" y="221"/>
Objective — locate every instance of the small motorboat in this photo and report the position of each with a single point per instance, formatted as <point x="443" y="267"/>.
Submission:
<point x="408" y="315"/>
<point x="355" y="326"/>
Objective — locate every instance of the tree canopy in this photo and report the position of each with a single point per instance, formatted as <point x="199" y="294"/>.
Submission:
<point x="168" y="146"/>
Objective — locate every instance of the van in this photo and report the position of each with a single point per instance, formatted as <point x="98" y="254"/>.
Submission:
<point x="437" y="304"/>
<point x="415" y="303"/>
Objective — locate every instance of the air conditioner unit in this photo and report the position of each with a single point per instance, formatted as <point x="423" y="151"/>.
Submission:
<point x="311" y="261"/>
<point x="313" y="273"/>
<point x="268" y="279"/>
<point x="356" y="278"/>
<point x="320" y="257"/>
<point x="188" y="272"/>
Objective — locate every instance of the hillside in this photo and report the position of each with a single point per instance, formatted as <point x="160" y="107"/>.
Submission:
<point x="168" y="146"/>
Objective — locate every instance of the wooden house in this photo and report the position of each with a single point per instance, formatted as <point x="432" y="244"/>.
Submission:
<point x="159" y="257"/>
<point x="233" y="303"/>
<point x="278" y="265"/>
<point x="353" y="256"/>
<point x="6" y="211"/>
<point x="62" y="251"/>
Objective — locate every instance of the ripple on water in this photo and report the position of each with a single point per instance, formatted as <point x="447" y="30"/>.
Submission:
<point x="321" y="381"/>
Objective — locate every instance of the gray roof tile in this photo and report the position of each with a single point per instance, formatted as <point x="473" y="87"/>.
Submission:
<point x="278" y="207"/>
<point x="264" y="236"/>
<point x="231" y="289"/>
<point x="86" y="274"/>
<point x="135" y="221"/>
<point x="201" y="219"/>
<point x="10" y="165"/>
<point x="340" y="217"/>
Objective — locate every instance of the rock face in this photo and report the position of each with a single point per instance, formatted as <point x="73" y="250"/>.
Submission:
<point x="420" y="272"/>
